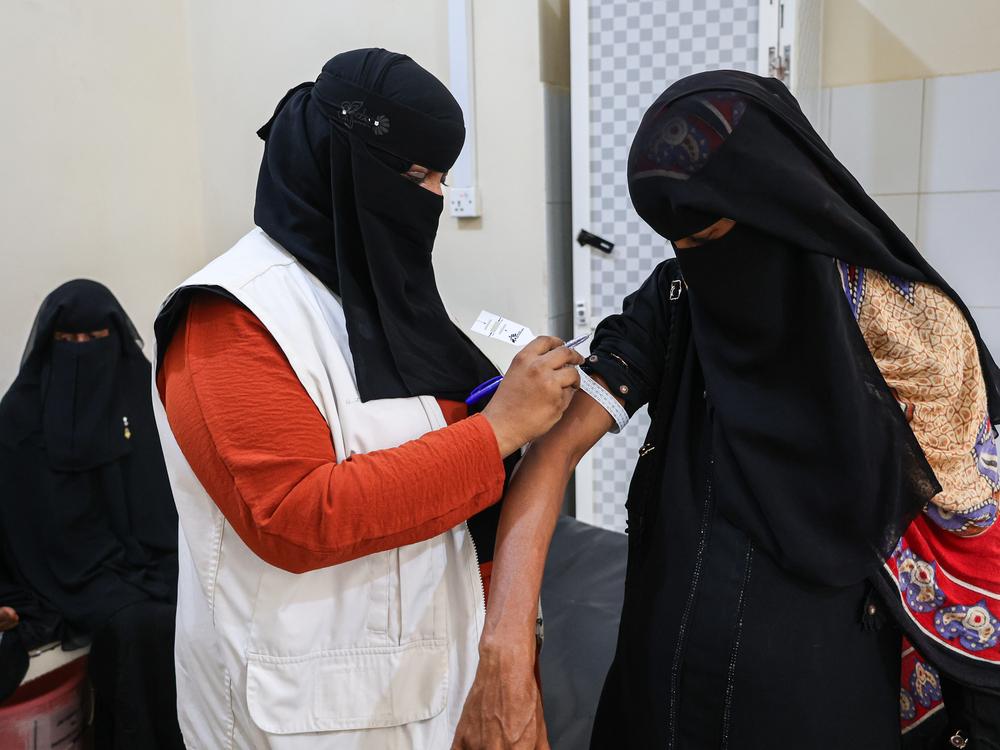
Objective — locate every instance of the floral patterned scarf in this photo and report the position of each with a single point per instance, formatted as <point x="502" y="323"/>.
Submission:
<point x="947" y="565"/>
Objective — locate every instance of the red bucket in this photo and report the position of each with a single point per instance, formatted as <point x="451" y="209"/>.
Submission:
<point x="47" y="712"/>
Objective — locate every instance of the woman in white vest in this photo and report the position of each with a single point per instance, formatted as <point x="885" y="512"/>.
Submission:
<point x="338" y="503"/>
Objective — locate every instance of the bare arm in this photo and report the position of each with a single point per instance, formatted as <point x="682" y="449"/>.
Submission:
<point x="503" y="709"/>
<point x="529" y="515"/>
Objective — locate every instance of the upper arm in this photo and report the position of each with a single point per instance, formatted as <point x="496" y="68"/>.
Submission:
<point x="242" y="419"/>
<point x="582" y="424"/>
<point x="629" y="348"/>
<point x="263" y="452"/>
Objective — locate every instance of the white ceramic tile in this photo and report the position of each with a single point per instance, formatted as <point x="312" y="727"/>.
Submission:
<point x="875" y="131"/>
<point x="988" y="320"/>
<point x="902" y="209"/>
<point x="956" y="231"/>
<point x="960" y="147"/>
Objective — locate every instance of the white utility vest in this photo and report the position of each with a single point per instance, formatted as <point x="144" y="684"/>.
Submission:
<point x="375" y="654"/>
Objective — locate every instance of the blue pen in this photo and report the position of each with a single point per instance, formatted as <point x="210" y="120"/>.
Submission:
<point x="483" y="390"/>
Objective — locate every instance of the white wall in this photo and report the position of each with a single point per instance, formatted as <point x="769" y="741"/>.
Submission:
<point x="927" y="150"/>
<point x="868" y="41"/>
<point x="98" y="169"/>
<point x="130" y="153"/>
<point x="499" y="262"/>
<point x="247" y="53"/>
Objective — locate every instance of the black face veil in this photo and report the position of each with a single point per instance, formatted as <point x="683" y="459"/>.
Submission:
<point x="72" y="391"/>
<point x="813" y="456"/>
<point x="331" y="193"/>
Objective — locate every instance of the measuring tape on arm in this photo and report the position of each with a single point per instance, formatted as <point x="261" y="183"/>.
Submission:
<point x="597" y="392"/>
<point x="500" y="328"/>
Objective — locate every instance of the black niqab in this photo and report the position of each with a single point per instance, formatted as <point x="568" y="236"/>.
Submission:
<point x="813" y="456"/>
<point x="87" y="518"/>
<point x="330" y="192"/>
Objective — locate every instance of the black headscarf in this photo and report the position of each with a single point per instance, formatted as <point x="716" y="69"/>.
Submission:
<point x="87" y="518"/>
<point x="330" y="191"/>
<point x="814" y="457"/>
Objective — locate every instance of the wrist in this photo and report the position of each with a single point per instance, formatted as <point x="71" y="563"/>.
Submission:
<point x="510" y="640"/>
<point x="514" y="653"/>
<point x="508" y="440"/>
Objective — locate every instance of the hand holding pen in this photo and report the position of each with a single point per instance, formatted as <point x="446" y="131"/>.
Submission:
<point x="483" y="390"/>
<point x="533" y="394"/>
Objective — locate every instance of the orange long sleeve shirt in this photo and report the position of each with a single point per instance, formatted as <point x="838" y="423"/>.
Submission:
<point x="263" y="452"/>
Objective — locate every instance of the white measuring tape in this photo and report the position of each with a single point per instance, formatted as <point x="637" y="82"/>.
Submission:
<point x="597" y="392"/>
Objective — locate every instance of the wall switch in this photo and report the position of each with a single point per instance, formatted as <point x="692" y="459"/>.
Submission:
<point x="463" y="202"/>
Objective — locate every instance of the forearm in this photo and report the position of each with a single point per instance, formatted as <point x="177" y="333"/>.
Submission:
<point x="504" y="707"/>
<point x="527" y="521"/>
<point x="377" y="501"/>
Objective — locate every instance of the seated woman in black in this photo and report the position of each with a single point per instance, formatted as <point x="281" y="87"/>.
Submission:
<point x="87" y="521"/>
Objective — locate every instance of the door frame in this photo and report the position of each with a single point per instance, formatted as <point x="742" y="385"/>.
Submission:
<point x="579" y="46"/>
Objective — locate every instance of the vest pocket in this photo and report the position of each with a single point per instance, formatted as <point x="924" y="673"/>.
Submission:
<point x="361" y="688"/>
<point x="422" y="603"/>
<point x="408" y="595"/>
<point x="383" y="605"/>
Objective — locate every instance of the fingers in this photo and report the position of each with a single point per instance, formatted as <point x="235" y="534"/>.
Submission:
<point x="549" y="352"/>
<point x="542" y="344"/>
<point x="462" y="739"/>
<point x="565" y="400"/>
<point x="568" y="382"/>
<point x="562" y="357"/>
<point x="567" y="377"/>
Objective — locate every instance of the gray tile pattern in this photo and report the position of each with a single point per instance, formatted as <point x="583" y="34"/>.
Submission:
<point x="638" y="48"/>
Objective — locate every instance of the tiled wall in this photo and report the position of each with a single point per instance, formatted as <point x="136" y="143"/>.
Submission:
<point x="928" y="151"/>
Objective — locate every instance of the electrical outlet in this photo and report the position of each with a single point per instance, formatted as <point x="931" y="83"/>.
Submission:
<point x="463" y="202"/>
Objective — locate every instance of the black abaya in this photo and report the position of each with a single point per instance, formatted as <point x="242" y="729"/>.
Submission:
<point x="719" y="647"/>
<point x="87" y="515"/>
<point x="132" y="669"/>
